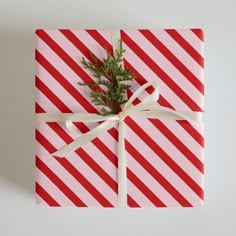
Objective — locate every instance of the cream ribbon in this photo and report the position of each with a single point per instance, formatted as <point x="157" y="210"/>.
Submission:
<point x="148" y="108"/>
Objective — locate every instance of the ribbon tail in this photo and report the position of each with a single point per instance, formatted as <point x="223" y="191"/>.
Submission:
<point x="191" y="117"/>
<point x="85" y="138"/>
<point x="155" y="111"/>
<point x="122" y="175"/>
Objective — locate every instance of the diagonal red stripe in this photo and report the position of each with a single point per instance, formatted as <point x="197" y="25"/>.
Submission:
<point x="47" y="92"/>
<point x="38" y="109"/>
<point x="165" y="157"/>
<point x="45" y="196"/>
<point x="159" y="72"/>
<point x="178" y="144"/>
<point x="93" y="164"/>
<point x="105" y="45"/>
<point x="134" y="180"/>
<point x="97" y="169"/>
<point x="157" y="175"/>
<point x="176" y="141"/>
<point x="76" y="42"/>
<point x="81" y="46"/>
<point x="162" y="101"/>
<point x="173" y="59"/>
<point x="186" y="46"/>
<point x="72" y="170"/>
<point x="131" y="202"/>
<point x="150" y="169"/>
<point x="146" y="191"/>
<point x="84" y="182"/>
<point x="100" y="39"/>
<point x="193" y="132"/>
<point x="54" y="69"/>
<point x="85" y="157"/>
<point x="64" y="83"/>
<point x="55" y="179"/>
<point x="97" y="142"/>
<point x="199" y="33"/>
<point x="107" y="179"/>
<point x="64" y="56"/>
<point x="89" y="161"/>
<point x="57" y="102"/>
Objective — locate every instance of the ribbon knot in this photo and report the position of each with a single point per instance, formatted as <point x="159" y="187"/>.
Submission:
<point x="148" y="108"/>
<point x="122" y="115"/>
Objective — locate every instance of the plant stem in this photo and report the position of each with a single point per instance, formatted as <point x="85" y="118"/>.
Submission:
<point x="111" y="75"/>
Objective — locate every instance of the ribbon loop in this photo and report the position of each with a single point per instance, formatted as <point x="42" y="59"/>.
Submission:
<point x="153" y="97"/>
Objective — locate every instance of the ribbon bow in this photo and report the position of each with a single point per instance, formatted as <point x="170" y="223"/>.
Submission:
<point x="148" y="108"/>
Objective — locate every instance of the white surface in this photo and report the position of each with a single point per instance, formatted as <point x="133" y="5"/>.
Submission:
<point x="18" y="213"/>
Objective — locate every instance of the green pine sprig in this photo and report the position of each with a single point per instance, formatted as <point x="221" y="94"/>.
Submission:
<point x="110" y="88"/>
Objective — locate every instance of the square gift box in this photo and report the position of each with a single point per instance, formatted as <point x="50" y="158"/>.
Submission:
<point x="165" y="166"/>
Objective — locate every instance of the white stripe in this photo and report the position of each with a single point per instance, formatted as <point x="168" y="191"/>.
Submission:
<point x="192" y="39"/>
<point x="137" y="195"/>
<point x="167" y="67"/>
<point x="92" y="150"/>
<point x="101" y="160"/>
<point x="150" y="182"/>
<point x="106" y="34"/>
<point x="161" y="166"/>
<point x="181" y="54"/>
<point x="171" y="149"/>
<point x="40" y="201"/>
<point x="86" y="39"/>
<point x="65" y="176"/>
<point x="57" y="89"/>
<point x="50" y="187"/>
<point x="149" y="75"/>
<point x="186" y="138"/>
<point x="62" y="40"/>
<point x="40" y="99"/>
<point x="75" y="55"/>
<point x="64" y="69"/>
<point x="81" y="166"/>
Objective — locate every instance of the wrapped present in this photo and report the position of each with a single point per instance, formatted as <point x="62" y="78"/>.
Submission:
<point x="150" y="154"/>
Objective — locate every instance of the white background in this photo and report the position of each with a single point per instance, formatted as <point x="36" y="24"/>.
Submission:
<point x="18" y="213"/>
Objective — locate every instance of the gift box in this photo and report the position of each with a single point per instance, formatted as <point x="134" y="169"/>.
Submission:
<point x="165" y="166"/>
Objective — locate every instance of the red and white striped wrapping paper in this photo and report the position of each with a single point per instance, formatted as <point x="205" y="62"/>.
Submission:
<point x="164" y="157"/>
